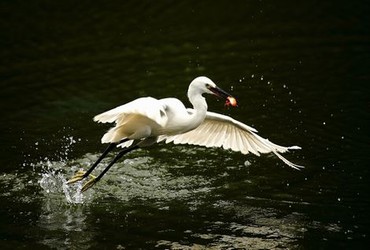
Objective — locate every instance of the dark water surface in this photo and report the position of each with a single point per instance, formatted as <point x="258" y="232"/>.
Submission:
<point x="299" y="70"/>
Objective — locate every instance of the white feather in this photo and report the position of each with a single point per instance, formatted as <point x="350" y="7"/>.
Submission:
<point x="147" y="120"/>
<point x="234" y="135"/>
<point x="148" y="107"/>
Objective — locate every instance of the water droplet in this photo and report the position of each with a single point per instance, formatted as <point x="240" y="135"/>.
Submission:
<point x="252" y="75"/>
<point x="338" y="199"/>
<point x="323" y="123"/>
<point x="247" y="163"/>
<point x="261" y="78"/>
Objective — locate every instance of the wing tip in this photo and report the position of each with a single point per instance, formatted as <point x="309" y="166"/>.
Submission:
<point x="96" y="119"/>
<point x="103" y="118"/>
<point x="290" y="164"/>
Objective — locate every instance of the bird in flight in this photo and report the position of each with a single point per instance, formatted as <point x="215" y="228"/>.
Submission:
<point x="146" y="121"/>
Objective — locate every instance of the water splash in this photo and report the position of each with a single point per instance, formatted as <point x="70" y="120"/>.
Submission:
<point x="137" y="178"/>
<point x="54" y="182"/>
<point x="53" y="173"/>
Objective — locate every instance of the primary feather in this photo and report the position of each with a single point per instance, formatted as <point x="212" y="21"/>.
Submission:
<point x="223" y="131"/>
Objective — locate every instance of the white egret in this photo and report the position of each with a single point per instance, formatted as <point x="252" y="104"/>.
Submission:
<point x="147" y="120"/>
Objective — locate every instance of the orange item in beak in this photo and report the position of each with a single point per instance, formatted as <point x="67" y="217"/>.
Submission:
<point x="231" y="101"/>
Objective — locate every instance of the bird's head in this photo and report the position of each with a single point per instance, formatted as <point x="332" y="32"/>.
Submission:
<point x="202" y="84"/>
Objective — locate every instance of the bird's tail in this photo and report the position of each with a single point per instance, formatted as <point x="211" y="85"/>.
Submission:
<point x="113" y="135"/>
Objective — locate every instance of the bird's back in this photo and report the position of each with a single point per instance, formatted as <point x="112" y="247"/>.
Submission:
<point x="177" y="116"/>
<point x="138" y="119"/>
<point x="145" y="106"/>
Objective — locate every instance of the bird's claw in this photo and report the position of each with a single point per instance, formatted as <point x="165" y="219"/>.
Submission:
<point x="80" y="174"/>
<point x="77" y="177"/>
<point x="89" y="184"/>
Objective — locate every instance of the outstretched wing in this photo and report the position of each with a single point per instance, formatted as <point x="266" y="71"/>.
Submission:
<point x="146" y="106"/>
<point x="223" y="131"/>
<point x="131" y="119"/>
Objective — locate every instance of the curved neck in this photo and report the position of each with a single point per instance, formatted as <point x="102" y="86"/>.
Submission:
<point x="200" y="107"/>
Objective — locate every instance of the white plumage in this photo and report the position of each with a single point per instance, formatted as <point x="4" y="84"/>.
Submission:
<point x="147" y="120"/>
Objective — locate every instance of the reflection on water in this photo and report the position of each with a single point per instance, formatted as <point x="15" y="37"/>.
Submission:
<point x="138" y="178"/>
<point x="65" y="216"/>
<point x="141" y="178"/>
<point x="264" y="230"/>
<point x="66" y="225"/>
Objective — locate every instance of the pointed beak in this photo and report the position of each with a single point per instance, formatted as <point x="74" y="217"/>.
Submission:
<point x="230" y="100"/>
<point x="219" y="92"/>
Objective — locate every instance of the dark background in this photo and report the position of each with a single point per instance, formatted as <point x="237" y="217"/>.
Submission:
<point x="300" y="71"/>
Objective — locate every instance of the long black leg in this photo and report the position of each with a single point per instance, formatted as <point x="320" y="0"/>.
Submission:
<point x="118" y="156"/>
<point x="81" y="175"/>
<point x="91" y="182"/>
<point x="101" y="157"/>
<point x="106" y="151"/>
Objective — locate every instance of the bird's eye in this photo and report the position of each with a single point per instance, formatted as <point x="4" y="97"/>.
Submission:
<point x="208" y="86"/>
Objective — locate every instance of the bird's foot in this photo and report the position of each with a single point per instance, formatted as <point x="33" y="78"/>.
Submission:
<point x="77" y="177"/>
<point x="89" y="184"/>
<point x="80" y="175"/>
